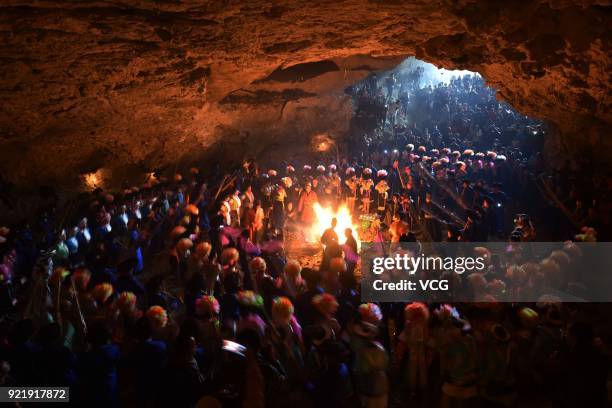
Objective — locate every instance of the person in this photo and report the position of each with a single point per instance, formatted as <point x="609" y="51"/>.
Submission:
<point x="330" y="236"/>
<point x="278" y="209"/>
<point x="183" y="383"/>
<point x="306" y="203"/>
<point x="398" y="228"/>
<point x="412" y="344"/>
<point x="292" y="283"/>
<point x="581" y="370"/>
<point x="97" y="369"/>
<point x="211" y="338"/>
<point x="351" y="184"/>
<point x="365" y="190"/>
<point x="350" y="242"/>
<point x="257" y="223"/>
<point x="370" y="359"/>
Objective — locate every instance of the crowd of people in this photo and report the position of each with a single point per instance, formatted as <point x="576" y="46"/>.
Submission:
<point x="180" y="292"/>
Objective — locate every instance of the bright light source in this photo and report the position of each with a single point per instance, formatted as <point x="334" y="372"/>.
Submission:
<point x="324" y="219"/>
<point x="93" y="180"/>
<point x="430" y="74"/>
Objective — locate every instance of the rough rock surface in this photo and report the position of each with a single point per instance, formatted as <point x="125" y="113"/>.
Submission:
<point x="126" y="85"/>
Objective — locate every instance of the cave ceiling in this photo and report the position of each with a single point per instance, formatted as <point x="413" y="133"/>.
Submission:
<point x="142" y="84"/>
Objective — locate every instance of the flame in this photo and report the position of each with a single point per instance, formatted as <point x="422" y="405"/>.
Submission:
<point x="324" y="218"/>
<point x="93" y="180"/>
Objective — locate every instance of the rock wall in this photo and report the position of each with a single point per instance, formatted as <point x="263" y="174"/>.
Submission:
<point x="127" y="86"/>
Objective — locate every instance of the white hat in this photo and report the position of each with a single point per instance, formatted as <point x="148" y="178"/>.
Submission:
<point x="307" y="167"/>
<point x="290" y="169"/>
<point x="287" y="181"/>
<point x="367" y="170"/>
<point x="332" y="167"/>
<point x="272" y="173"/>
<point x="382" y="173"/>
<point x="321" y="168"/>
<point x="350" y="170"/>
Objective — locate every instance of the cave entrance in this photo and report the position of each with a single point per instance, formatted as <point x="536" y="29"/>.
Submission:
<point x="421" y="104"/>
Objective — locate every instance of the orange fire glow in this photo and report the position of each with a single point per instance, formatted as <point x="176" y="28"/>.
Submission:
<point x="93" y="180"/>
<point x="324" y="218"/>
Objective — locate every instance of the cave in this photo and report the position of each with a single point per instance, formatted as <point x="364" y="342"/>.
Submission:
<point x="181" y="176"/>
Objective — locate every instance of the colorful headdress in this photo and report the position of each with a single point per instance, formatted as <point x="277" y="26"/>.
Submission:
<point x="560" y="257"/>
<point x="446" y="312"/>
<point x="207" y="305"/>
<point x="59" y="274"/>
<point x="292" y="268"/>
<point x="125" y="302"/>
<point x="258" y="264"/>
<point x="229" y="256"/>
<point x="192" y="209"/>
<point x="529" y="318"/>
<point x="287" y="181"/>
<point x="177" y="231"/>
<point x="250" y="299"/>
<point x="282" y="309"/>
<point x="203" y="249"/>
<point x="157" y="316"/>
<point x="102" y="292"/>
<point x="81" y="278"/>
<point x="184" y="244"/>
<point x="370" y="312"/>
<point x="326" y="304"/>
<point x="416" y="312"/>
